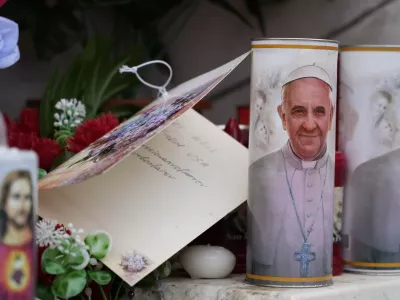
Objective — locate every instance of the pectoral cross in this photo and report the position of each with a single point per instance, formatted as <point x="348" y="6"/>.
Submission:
<point x="305" y="256"/>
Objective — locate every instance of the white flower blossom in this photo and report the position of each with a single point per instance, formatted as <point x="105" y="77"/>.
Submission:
<point x="72" y="112"/>
<point x="133" y="262"/>
<point x="76" y="236"/>
<point x="47" y="235"/>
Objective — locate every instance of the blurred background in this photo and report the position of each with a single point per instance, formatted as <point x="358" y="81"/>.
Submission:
<point x="194" y="36"/>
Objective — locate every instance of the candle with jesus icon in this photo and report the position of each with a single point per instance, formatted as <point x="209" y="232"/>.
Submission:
<point x="369" y="136"/>
<point x="292" y="157"/>
<point x="18" y="194"/>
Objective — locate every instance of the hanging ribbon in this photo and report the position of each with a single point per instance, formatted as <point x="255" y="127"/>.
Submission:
<point x="162" y="90"/>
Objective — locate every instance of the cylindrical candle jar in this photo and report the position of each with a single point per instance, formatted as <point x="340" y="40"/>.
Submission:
<point x="292" y="153"/>
<point x="369" y="134"/>
<point x="18" y="185"/>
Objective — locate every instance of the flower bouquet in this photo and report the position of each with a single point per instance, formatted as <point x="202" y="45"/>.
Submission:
<point x="69" y="266"/>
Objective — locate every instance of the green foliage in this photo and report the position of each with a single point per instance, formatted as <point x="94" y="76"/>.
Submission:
<point x="53" y="263"/>
<point x="100" y="277"/>
<point x="99" y="244"/>
<point x="62" y="136"/>
<point x="44" y="292"/>
<point x="69" y="261"/>
<point x="41" y="173"/>
<point x="92" y="78"/>
<point x="70" y="284"/>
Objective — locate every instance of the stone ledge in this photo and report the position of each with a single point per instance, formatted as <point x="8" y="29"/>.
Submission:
<point x="346" y="287"/>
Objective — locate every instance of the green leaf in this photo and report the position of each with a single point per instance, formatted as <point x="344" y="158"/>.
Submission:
<point x="52" y="263"/>
<point x="80" y="261"/>
<point x="224" y="4"/>
<point x="107" y="80"/>
<point x="99" y="244"/>
<point x="63" y="132"/>
<point x="101" y="277"/>
<point x="69" y="284"/>
<point x="43" y="292"/>
<point x="46" y="119"/>
<point x="113" y="91"/>
<point x="41" y="173"/>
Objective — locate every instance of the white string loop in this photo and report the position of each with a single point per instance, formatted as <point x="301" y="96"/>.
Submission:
<point x="3" y="132"/>
<point x="162" y="90"/>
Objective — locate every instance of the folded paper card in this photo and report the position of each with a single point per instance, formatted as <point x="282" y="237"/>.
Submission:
<point x="179" y="175"/>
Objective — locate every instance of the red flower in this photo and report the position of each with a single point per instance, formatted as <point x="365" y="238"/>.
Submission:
<point x="232" y="128"/>
<point x="29" y="120"/>
<point x="2" y="2"/>
<point x="90" y="131"/>
<point x="25" y="135"/>
<point x="46" y="149"/>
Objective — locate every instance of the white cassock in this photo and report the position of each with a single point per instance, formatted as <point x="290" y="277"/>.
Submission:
<point x="274" y="232"/>
<point x="371" y="227"/>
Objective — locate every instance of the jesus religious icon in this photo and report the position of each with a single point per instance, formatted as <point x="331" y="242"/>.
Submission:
<point x="291" y="186"/>
<point x="16" y="233"/>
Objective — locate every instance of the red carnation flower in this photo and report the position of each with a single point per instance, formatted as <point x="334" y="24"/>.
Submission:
<point x="46" y="149"/>
<point x="29" y="121"/>
<point x="90" y="131"/>
<point x="25" y="135"/>
<point x="20" y="140"/>
<point x="2" y="2"/>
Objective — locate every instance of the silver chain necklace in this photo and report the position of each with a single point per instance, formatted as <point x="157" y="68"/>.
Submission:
<point x="305" y="256"/>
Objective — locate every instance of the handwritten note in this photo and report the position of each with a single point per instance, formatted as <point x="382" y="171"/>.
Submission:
<point x="179" y="138"/>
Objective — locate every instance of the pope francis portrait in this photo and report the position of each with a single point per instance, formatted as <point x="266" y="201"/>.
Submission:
<point x="291" y="189"/>
<point x="371" y="231"/>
